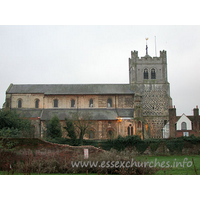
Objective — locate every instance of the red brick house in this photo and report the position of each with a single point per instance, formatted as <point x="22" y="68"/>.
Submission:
<point x="184" y="125"/>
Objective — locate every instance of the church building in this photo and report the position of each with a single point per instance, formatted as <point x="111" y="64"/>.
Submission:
<point x="138" y="108"/>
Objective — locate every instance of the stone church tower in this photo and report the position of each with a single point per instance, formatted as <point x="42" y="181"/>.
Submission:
<point x="148" y="78"/>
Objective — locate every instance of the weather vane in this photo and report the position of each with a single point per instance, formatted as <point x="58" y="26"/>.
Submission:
<point x="146" y="46"/>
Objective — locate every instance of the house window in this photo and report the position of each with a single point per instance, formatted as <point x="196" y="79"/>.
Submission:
<point x="19" y="103"/>
<point x="37" y="103"/>
<point x="186" y="134"/>
<point x="55" y="103"/>
<point x="130" y="129"/>
<point x="72" y="103"/>
<point x="91" y="103"/>
<point x="153" y="74"/>
<point x="109" y="103"/>
<point x="146" y="74"/>
<point x="183" y="126"/>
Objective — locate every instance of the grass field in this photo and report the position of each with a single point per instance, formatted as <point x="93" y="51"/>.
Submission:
<point x="171" y="169"/>
<point x="173" y="160"/>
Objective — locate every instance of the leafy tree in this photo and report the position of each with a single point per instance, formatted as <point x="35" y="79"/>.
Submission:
<point x="70" y="129"/>
<point x="53" y="128"/>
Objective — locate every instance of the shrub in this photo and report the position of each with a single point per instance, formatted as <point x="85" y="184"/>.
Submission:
<point x="192" y="139"/>
<point x="141" y="146"/>
<point x="70" y="129"/>
<point x="154" y="144"/>
<point x="122" y="142"/>
<point x="175" y="145"/>
<point x="10" y="132"/>
<point x="13" y="125"/>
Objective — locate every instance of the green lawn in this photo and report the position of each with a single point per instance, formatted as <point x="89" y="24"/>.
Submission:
<point x="173" y="159"/>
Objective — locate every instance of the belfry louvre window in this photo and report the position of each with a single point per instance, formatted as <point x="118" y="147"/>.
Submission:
<point x="153" y="74"/>
<point x="109" y="103"/>
<point x="19" y="103"/>
<point x="146" y="74"/>
<point x="91" y="103"/>
<point x="55" y="103"/>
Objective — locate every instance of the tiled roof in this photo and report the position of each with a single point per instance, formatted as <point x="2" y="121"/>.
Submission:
<point x="53" y="89"/>
<point x="94" y="114"/>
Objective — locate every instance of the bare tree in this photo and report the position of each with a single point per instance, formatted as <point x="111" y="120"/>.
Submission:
<point x="81" y="123"/>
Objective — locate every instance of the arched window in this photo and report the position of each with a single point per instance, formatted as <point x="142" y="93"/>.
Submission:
<point x="139" y="125"/>
<point x="72" y="103"/>
<point x="37" y="103"/>
<point x="153" y="74"/>
<point x="146" y="127"/>
<point x="183" y="126"/>
<point x="91" y="103"/>
<point x="110" y="133"/>
<point x="19" y="103"/>
<point x="55" y="103"/>
<point x="91" y="134"/>
<point x="109" y="103"/>
<point x="146" y="74"/>
<point x="130" y="129"/>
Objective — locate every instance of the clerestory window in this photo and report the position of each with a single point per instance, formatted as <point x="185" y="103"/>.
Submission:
<point x="37" y="103"/>
<point x="109" y="103"/>
<point x="55" y="103"/>
<point x="91" y="103"/>
<point x="72" y="103"/>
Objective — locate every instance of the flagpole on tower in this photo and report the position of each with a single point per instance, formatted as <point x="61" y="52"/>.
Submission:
<point x="155" y="47"/>
<point x="146" y="47"/>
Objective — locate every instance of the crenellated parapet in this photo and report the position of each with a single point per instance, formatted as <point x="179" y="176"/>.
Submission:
<point x="163" y="55"/>
<point x="134" y="54"/>
<point x="148" y="59"/>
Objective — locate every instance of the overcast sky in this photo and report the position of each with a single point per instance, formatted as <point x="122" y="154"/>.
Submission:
<point x="99" y="54"/>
